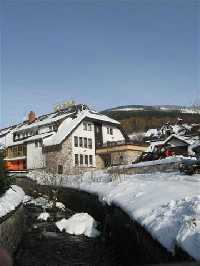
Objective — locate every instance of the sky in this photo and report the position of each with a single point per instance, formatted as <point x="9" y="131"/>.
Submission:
<point x="101" y="53"/>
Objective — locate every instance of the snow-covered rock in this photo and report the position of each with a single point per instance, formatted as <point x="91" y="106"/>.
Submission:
<point x="79" y="224"/>
<point x="44" y="216"/>
<point x="11" y="200"/>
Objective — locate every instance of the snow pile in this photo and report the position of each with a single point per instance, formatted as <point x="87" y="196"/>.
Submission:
<point x="44" y="216"/>
<point x="79" y="224"/>
<point x="11" y="200"/>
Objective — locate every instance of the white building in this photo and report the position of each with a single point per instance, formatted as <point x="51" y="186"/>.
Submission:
<point x="60" y="142"/>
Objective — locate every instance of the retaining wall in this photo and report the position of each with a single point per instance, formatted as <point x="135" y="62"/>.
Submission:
<point x="167" y="167"/>
<point x="11" y="229"/>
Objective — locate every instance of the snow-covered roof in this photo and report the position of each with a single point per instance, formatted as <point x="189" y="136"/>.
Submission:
<point x="152" y="132"/>
<point x="43" y="120"/>
<point x="188" y="140"/>
<point x="68" y="119"/>
<point x="70" y="123"/>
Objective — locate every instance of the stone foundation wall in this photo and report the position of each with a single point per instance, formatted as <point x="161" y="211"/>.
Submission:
<point x="11" y="229"/>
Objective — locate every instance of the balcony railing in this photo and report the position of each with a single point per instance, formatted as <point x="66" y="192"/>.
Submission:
<point x="122" y="142"/>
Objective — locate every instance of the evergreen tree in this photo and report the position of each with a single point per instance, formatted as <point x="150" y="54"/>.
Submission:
<point x="5" y="179"/>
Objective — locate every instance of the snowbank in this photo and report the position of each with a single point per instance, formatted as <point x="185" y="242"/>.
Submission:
<point x="166" y="204"/>
<point x="79" y="224"/>
<point x="11" y="200"/>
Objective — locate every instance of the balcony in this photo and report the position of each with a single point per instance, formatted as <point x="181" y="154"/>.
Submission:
<point x="121" y="146"/>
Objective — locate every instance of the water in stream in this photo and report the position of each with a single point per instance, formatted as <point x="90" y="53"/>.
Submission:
<point x="44" y="245"/>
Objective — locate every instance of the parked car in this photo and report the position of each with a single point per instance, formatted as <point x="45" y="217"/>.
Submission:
<point x="190" y="166"/>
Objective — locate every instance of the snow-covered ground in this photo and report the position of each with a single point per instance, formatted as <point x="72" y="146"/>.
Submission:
<point x="11" y="200"/>
<point x="166" y="204"/>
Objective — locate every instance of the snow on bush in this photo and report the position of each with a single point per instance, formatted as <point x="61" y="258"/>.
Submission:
<point x="79" y="224"/>
<point x="44" y="216"/>
<point x="11" y="200"/>
<point x="60" y="206"/>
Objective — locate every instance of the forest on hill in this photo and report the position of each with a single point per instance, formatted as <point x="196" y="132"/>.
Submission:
<point x="142" y="120"/>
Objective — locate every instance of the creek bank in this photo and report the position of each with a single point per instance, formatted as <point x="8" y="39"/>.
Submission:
<point x="132" y="243"/>
<point x="11" y="218"/>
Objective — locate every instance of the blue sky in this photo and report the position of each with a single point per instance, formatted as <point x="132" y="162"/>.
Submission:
<point x="102" y="53"/>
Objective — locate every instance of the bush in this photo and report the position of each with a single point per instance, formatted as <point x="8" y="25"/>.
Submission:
<point x="5" y="179"/>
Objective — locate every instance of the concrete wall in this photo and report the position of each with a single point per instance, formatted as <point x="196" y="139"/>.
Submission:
<point x="167" y="167"/>
<point x="11" y="229"/>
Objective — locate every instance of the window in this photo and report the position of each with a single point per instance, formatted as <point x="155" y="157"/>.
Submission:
<point x="85" y="142"/>
<point x="89" y="127"/>
<point x="76" y="159"/>
<point x="60" y="169"/>
<point x="76" y="141"/>
<point x="84" y="126"/>
<point x="81" y="159"/>
<point x="80" y="142"/>
<point x="109" y="130"/>
<point x="40" y="143"/>
<point x="90" y="143"/>
<point x="91" y="159"/>
<point x="86" y="159"/>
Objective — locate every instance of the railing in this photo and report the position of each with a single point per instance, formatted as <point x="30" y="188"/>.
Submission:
<point x="122" y="142"/>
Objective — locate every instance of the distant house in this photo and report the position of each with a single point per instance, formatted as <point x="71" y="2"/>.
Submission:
<point x="180" y="129"/>
<point x="66" y="141"/>
<point x="179" y="145"/>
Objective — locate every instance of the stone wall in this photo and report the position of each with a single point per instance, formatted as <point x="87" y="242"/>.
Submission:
<point x="11" y="229"/>
<point x="125" y="157"/>
<point x="61" y="156"/>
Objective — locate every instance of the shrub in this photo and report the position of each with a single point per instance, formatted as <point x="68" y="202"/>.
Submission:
<point x="5" y="179"/>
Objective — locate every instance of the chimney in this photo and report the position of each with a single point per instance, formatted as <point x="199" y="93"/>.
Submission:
<point x="31" y="117"/>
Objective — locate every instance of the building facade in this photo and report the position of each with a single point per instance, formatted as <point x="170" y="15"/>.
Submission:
<point x="61" y="142"/>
